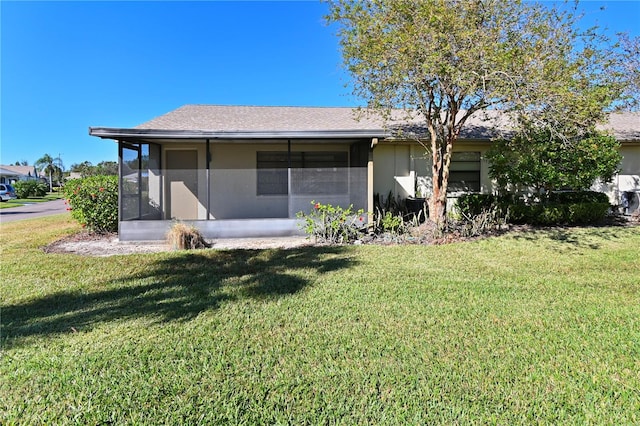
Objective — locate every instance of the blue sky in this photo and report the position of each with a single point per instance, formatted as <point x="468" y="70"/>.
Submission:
<point x="66" y="66"/>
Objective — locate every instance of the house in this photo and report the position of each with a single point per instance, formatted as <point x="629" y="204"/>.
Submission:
<point x="242" y="171"/>
<point x="12" y="174"/>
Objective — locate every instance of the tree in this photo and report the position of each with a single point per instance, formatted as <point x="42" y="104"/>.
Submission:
<point x="535" y="158"/>
<point x="104" y="168"/>
<point x="107" y="168"/>
<point x="630" y="68"/>
<point x="440" y="61"/>
<point x="52" y="166"/>
<point x="85" y="169"/>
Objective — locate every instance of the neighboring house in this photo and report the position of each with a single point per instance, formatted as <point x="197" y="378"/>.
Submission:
<point x="241" y="171"/>
<point x="12" y="174"/>
<point x="74" y="175"/>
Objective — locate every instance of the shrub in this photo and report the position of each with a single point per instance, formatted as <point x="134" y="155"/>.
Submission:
<point x="331" y="224"/>
<point x="492" y="208"/>
<point x="488" y="220"/>
<point x="547" y="214"/>
<point x="577" y="197"/>
<point x="474" y="204"/>
<point x="185" y="237"/>
<point x="389" y="223"/>
<point x="30" y="188"/>
<point x="556" y="208"/>
<point x="587" y="213"/>
<point x="93" y="202"/>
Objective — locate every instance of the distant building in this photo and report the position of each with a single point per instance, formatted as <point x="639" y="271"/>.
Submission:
<point x="12" y="174"/>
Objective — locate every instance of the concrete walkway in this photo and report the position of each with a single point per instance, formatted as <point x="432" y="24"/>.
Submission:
<point x="30" y="211"/>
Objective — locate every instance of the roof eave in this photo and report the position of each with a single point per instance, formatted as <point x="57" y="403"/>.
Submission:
<point x="118" y="133"/>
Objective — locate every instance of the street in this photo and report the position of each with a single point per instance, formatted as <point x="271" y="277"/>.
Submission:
<point x="32" y="210"/>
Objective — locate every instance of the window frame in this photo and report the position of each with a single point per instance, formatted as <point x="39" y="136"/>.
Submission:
<point x="466" y="167"/>
<point x="272" y="169"/>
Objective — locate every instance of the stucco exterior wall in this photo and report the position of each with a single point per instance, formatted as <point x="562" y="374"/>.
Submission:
<point x="392" y="170"/>
<point x="628" y="180"/>
<point x="234" y="183"/>
<point x="629" y="177"/>
<point x="185" y="195"/>
<point x="404" y="167"/>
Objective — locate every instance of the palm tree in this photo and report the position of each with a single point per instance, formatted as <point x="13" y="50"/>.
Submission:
<point x="52" y="166"/>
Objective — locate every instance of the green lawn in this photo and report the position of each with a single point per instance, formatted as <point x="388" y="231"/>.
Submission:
<point x="22" y="201"/>
<point x="538" y="327"/>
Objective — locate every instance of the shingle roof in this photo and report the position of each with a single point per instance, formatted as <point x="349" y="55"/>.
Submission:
<point x="625" y="126"/>
<point x="273" y="120"/>
<point x="20" y="170"/>
<point x="260" y="118"/>
<point x="229" y="119"/>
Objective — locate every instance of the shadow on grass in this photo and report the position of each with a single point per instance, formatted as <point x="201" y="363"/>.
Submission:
<point x="576" y="237"/>
<point x="174" y="288"/>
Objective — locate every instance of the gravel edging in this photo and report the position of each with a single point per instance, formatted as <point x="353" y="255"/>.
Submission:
<point x="103" y="245"/>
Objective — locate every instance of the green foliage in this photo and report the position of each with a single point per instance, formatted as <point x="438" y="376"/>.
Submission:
<point x="390" y="223"/>
<point x="52" y="167"/>
<point x="547" y="214"/>
<point x="30" y="188"/>
<point x="561" y="208"/>
<point x="571" y="197"/>
<point x="442" y="61"/>
<point x="334" y="225"/>
<point x="474" y="204"/>
<point x="539" y="159"/>
<point x="630" y="70"/>
<point x="93" y="202"/>
<point x="86" y="169"/>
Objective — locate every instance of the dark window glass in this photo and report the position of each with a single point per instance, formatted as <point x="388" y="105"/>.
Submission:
<point x="464" y="172"/>
<point x="315" y="172"/>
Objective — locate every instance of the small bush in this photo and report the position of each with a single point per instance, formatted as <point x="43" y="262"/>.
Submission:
<point x="548" y="214"/>
<point x="556" y="208"/>
<point x="588" y="213"/>
<point x="474" y="204"/>
<point x="577" y="197"/>
<point x="185" y="237"/>
<point x="333" y="225"/>
<point x="470" y="205"/>
<point x="30" y="188"/>
<point x="389" y="223"/>
<point x="93" y="202"/>
<point x="487" y="221"/>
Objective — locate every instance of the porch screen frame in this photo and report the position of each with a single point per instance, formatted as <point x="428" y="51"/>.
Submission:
<point x="137" y="147"/>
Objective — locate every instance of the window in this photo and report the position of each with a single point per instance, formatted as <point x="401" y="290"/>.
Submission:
<point x="272" y="173"/>
<point x="313" y="172"/>
<point x="464" y="172"/>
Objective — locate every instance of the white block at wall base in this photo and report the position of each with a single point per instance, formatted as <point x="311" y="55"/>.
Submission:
<point x="156" y="230"/>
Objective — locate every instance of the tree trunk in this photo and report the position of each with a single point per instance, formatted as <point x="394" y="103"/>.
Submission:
<point x="438" y="199"/>
<point x="437" y="208"/>
<point x="440" y="182"/>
